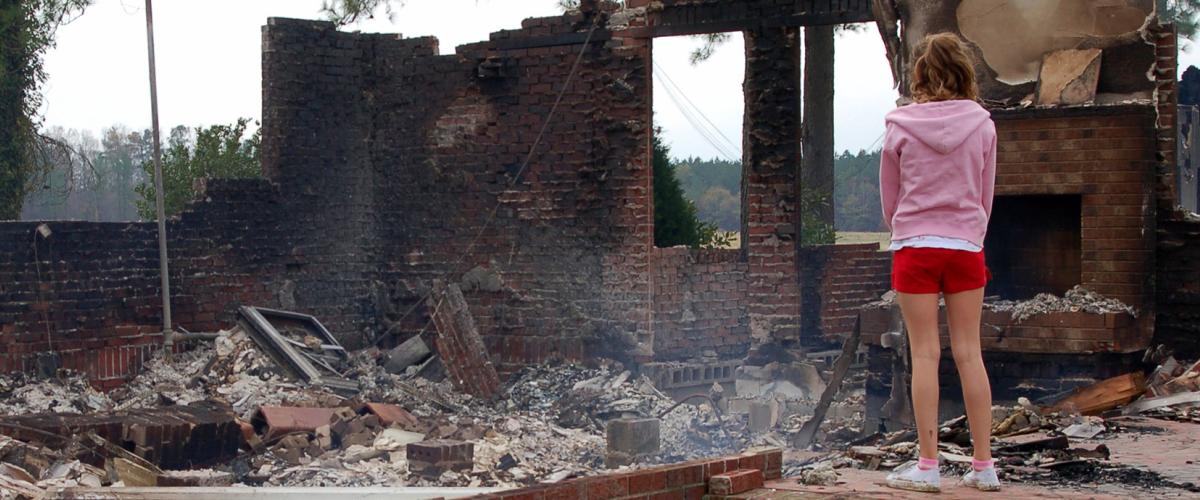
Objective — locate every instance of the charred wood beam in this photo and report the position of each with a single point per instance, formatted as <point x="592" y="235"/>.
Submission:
<point x="816" y="19"/>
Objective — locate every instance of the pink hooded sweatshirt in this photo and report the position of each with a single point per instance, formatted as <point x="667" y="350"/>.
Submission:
<point x="938" y="170"/>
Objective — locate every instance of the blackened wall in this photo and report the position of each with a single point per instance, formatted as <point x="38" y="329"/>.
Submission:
<point x="415" y="166"/>
<point x="90" y="293"/>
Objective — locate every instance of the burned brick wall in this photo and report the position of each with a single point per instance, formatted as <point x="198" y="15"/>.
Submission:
<point x="1178" y="313"/>
<point x="414" y="166"/>
<point x="88" y="296"/>
<point x="838" y="280"/>
<point x="1177" y="258"/>
<point x="316" y="145"/>
<point x="699" y="303"/>
<point x="1103" y="156"/>
<point x="771" y="160"/>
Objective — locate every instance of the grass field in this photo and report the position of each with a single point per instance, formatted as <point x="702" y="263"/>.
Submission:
<point x="843" y="238"/>
<point x="848" y="238"/>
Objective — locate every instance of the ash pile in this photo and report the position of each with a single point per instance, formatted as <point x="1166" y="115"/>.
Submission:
<point x="1076" y="299"/>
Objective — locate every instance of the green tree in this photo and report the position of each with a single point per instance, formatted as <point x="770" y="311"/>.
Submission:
<point x="95" y="181"/>
<point x="816" y="207"/>
<point x="343" y="12"/>
<point x="714" y="186"/>
<point x="219" y="151"/>
<point x="675" y="220"/>
<point x="27" y="30"/>
<point x="856" y="191"/>
<point x="1181" y="12"/>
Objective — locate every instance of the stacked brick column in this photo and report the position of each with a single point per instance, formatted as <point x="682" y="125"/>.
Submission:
<point x="770" y="178"/>
<point x="1177" y="259"/>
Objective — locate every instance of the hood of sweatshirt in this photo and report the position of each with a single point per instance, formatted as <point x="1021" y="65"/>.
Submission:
<point x="941" y="125"/>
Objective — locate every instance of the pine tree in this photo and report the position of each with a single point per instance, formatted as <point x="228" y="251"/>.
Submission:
<point x="675" y="221"/>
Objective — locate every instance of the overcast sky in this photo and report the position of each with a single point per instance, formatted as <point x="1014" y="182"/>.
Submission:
<point x="209" y="67"/>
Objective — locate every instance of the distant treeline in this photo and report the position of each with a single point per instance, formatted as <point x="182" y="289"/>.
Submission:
<point x="715" y="187"/>
<point x="109" y="178"/>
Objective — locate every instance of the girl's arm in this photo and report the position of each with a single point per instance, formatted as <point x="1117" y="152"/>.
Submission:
<point x="989" y="176"/>
<point x="889" y="178"/>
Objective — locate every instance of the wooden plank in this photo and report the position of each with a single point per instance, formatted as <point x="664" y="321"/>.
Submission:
<point x="551" y="41"/>
<point x="849" y="351"/>
<point x="1104" y="395"/>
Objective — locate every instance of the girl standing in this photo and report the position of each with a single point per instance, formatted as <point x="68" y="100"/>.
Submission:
<point x="936" y="178"/>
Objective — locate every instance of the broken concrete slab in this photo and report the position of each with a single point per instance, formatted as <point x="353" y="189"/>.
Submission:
<point x="411" y="352"/>
<point x="794" y="380"/>
<point x="195" y="478"/>
<point x="638" y="436"/>
<point x="396" y="439"/>
<point x="1083" y="430"/>
<point x="763" y="415"/>
<point x="1069" y="77"/>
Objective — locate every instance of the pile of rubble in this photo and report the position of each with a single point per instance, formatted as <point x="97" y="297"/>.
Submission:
<point x="548" y="424"/>
<point x="231" y="369"/>
<point x="1075" y="300"/>
<point x="66" y="392"/>
<point x="1052" y="457"/>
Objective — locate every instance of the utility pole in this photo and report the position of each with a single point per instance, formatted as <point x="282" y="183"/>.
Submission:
<point x="168" y="335"/>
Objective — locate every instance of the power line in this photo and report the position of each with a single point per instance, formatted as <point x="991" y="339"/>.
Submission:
<point x="704" y="133"/>
<point x="683" y="94"/>
<point x="690" y="115"/>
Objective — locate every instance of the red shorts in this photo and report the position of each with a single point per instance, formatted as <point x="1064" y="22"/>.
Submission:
<point x="933" y="270"/>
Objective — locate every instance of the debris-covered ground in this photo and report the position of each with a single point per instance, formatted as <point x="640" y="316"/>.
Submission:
<point x="1133" y="437"/>
<point x="548" y="425"/>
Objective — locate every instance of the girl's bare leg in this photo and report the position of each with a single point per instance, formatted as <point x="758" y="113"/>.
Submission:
<point x="921" y="318"/>
<point x="963" y="312"/>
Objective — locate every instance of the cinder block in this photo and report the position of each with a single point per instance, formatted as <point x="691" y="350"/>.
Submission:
<point x="634" y="436"/>
<point x="432" y="458"/>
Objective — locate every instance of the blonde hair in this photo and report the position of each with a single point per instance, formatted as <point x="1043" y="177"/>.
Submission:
<point x="943" y="70"/>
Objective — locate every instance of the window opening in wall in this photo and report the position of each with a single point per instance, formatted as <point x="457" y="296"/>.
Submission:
<point x="698" y="109"/>
<point x="863" y="95"/>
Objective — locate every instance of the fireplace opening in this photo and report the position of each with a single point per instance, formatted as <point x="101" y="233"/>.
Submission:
<point x="1033" y="245"/>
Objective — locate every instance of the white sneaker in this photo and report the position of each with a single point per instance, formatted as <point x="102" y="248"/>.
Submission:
<point x="911" y="477"/>
<point x="983" y="480"/>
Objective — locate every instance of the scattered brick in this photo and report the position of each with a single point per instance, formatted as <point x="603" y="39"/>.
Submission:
<point x="736" y="482"/>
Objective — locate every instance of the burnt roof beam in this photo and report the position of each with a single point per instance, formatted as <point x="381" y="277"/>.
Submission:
<point x="703" y="17"/>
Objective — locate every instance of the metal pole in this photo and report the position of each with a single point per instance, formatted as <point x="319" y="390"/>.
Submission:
<point x="168" y="335"/>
